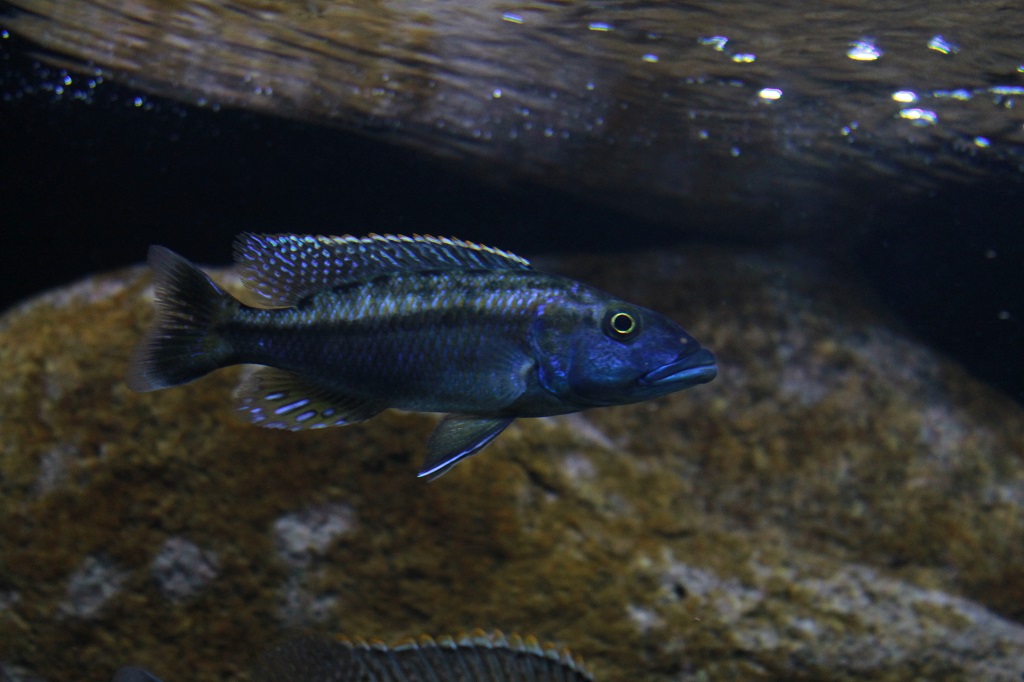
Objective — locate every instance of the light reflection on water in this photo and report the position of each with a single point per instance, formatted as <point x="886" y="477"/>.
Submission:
<point x="919" y="116"/>
<point x="940" y="44"/>
<point x="864" y="50"/>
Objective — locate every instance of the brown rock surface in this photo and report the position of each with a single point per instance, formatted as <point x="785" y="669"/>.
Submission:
<point x="840" y="503"/>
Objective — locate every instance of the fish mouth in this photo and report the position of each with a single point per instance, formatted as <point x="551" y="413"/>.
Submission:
<point x="695" y="368"/>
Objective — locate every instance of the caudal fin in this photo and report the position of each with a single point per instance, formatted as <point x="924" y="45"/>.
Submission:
<point x="183" y="343"/>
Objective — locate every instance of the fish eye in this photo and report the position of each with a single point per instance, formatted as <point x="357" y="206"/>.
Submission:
<point x="621" y="325"/>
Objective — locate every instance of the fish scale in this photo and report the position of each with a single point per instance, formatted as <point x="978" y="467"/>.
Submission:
<point x="355" y="325"/>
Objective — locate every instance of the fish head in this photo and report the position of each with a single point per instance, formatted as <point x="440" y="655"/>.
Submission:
<point x="611" y="353"/>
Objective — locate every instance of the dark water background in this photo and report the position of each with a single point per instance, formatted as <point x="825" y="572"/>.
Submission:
<point x="86" y="186"/>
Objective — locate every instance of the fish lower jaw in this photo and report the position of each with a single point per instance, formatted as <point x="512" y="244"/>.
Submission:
<point x="686" y="378"/>
<point x="697" y="368"/>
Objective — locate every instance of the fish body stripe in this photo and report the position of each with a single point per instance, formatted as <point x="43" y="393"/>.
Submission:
<point x="477" y="296"/>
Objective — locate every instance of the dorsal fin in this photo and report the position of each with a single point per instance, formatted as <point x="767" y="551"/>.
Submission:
<point x="283" y="269"/>
<point x="477" y="656"/>
<point x="474" y="657"/>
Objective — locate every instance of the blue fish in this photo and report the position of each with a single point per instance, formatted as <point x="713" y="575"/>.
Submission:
<point x="476" y="657"/>
<point x="349" y="326"/>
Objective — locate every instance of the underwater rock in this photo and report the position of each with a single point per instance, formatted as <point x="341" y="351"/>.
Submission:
<point x="94" y="584"/>
<point x="299" y="536"/>
<point x="718" y="110"/>
<point x="301" y="539"/>
<point x="181" y="568"/>
<point x="841" y="502"/>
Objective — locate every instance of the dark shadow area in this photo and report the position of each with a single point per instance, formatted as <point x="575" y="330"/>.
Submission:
<point x="88" y="188"/>
<point x="953" y="269"/>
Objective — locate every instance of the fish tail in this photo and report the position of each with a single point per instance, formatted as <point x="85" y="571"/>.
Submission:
<point x="184" y="342"/>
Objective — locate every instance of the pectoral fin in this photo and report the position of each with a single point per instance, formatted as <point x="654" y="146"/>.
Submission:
<point x="458" y="436"/>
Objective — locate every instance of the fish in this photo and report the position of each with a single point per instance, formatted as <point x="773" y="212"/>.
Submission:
<point x="474" y="657"/>
<point x="348" y="326"/>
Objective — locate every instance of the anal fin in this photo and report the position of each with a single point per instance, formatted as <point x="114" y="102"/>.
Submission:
<point x="277" y="399"/>
<point x="457" y="437"/>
